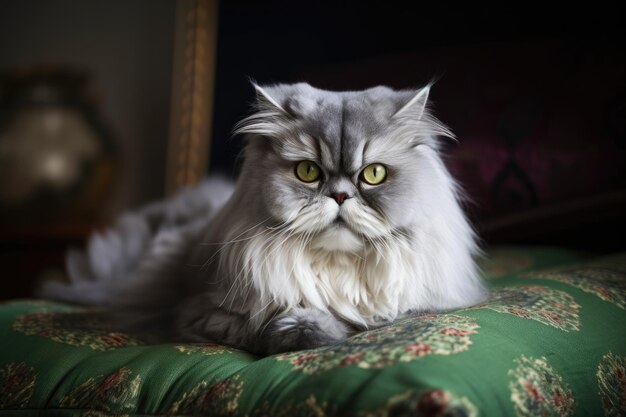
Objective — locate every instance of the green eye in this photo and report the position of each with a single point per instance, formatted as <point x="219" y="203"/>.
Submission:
<point x="374" y="174"/>
<point x="307" y="171"/>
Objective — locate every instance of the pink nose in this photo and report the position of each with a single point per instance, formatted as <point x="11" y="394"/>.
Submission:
<point x="340" y="197"/>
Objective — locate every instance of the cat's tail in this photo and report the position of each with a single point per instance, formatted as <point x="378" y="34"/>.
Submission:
<point x="111" y="258"/>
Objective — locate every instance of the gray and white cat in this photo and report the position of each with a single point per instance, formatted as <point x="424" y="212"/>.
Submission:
<point x="344" y="217"/>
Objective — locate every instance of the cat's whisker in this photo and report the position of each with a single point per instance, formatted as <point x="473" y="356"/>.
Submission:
<point x="261" y="310"/>
<point x="247" y="293"/>
<point x="239" y="235"/>
<point x="231" y="241"/>
<point x="269" y="321"/>
<point x="357" y="255"/>
<point x="295" y="243"/>
<point x="279" y="246"/>
<point x="245" y="269"/>
<point x="379" y="250"/>
<point x="237" y="280"/>
<point x="224" y="245"/>
<point x="398" y="233"/>
<point x="210" y="260"/>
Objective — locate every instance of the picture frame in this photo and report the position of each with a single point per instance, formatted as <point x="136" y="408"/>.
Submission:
<point x="193" y="81"/>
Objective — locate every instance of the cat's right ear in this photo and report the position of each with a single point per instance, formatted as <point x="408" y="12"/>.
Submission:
<point x="265" y="100"/>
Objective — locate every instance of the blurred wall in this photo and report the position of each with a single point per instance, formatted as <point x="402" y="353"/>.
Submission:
<point x="127" y="48"/>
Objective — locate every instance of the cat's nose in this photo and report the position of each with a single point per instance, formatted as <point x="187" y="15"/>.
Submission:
<point x="339" y="197"/>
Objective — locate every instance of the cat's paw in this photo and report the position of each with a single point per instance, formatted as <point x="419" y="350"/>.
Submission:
<point x="303" y="329"/>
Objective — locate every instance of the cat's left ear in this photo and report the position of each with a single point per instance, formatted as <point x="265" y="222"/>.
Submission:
<point x="415" y="107"/>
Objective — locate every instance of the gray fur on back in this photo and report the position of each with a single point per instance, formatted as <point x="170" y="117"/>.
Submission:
<point x="113" y="256"/>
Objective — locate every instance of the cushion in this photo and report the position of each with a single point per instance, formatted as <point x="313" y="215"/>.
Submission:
<point x="550" y="341"/>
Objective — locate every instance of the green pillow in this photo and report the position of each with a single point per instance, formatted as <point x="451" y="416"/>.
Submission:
<point x="551" y="341"/>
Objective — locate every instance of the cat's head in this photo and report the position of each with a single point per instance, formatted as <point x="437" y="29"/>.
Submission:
<point x="344" y="167"/>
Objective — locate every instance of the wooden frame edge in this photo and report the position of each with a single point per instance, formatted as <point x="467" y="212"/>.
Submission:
<point x="193" y="79"/>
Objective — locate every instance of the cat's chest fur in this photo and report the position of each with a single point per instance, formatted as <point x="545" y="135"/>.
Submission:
<point x="337" y="272"/>
<point x="355" y="285"/>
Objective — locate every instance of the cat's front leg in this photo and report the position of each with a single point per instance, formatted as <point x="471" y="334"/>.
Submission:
<point x="302" y="328"/>
<point x="200" y="320"/>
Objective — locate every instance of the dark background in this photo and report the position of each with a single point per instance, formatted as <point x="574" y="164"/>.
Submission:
<point x="536" y="96"/>
<point x="289" y="41"/>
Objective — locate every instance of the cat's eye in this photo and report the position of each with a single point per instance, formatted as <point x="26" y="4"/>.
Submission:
<point x="307" y="171"/>
<point x="374" y="174"/>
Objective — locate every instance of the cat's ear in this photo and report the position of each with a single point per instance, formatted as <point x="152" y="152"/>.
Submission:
<point x="268" y="116"/>
<point x="416" y="105"/>
<point x="265" y="99"/>
<point x="414" y="113"/>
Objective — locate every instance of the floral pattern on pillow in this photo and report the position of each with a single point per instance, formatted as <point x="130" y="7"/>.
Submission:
<point x="607" y="283"/>
<point x="206" y="349"/>
<point x="17" y="383"/>
<point x="431" y="403"/>
<point x="116" y="392"/>
<point x="73" y="328"/>
<point x="537" y="390"/>
<point x="542" y="304"/>
<point x="404" y="341"/>
<point x="611" y="376"/>
<point x="218" y="399"/>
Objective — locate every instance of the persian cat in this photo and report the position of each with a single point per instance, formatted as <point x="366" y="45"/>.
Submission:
<point x="344" y="218"/>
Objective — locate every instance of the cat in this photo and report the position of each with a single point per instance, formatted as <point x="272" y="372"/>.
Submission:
<point x="343" y="218"/>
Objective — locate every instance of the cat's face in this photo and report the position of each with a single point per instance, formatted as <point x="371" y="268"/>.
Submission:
<point x="342" y="168"/>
